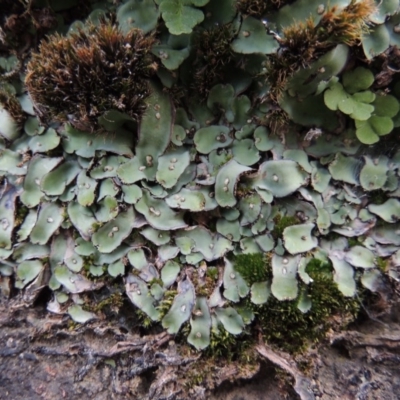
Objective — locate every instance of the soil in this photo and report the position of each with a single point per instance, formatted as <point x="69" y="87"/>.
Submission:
<point x="43" y="356"/>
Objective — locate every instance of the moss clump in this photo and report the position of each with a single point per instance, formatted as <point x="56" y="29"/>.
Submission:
<point x="377" y="197"/>
<point x="21" y="212"/>
<point x="10" y="103"/>
<point x="382" y="264"/>
<point x="353" y="241"/>
<point x="213" y="59"/>
<point x="166" y="302"/>
<point x="96" y="226"/>
<point x="252" y="267"/>
<point x="21" y="20"/>
<point x="14" y="21"/>
<point x="257" y="8"/>
<point x="283" y="324"/>
<point x="205" y="371"/>
<point x="230" y="347"/>
<point x="205" y="285"/>
<point x="346" y="25"/>
<point x="316" y="267"/>
<point x="304" y="42"/>
<point x="282" y="222"/>
<point x="80" y="77"/>
<point x="88" y="261"/>
<point x="212" y="273"/>
<point x="144" y="321"/>
<point x="114" y="301"/>
<point x="277" y="120"/>
<point x="332" y="236"/>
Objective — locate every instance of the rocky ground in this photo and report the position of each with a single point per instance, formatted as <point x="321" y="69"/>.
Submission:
<point x="43" y="356"/>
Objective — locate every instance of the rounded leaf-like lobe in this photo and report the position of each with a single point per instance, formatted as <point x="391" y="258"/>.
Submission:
<point x="200" y="323"/>
<point x="253" y="38"/>
<point x="281" y="177"/>
<point x="298" y="238"/>
<point x="211" y="138"/>
<point x="389" y="211"/>
<point x="359" y="256"/>
<point x="181" y="308"/>
<point x="226" y="181"/>
<point x="284" y="281"/>
<point x="344" y="276"/>
<point x="230" y="319"/>
<point x="373" y="175"/>
<point x="80" y="315"/>
<point x="260" y="292"/>
<point x="111" y="235"/>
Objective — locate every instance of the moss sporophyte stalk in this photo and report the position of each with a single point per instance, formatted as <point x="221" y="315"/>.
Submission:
<point x="216" y="165"/>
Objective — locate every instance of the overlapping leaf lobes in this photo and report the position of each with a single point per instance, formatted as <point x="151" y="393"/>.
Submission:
<point x="109" y="240"/>
<point x="176" y="204"/>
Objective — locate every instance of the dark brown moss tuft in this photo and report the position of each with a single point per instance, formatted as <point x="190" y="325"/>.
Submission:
<point x="346" y="25"/>
<point x="214" y="57"/>
<point x="80" y="77"/>
<point x="22" y="24"/>
<point x="304" y="42"/>
<point x="257" y="8"/>
<point x="9" y="101"/>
